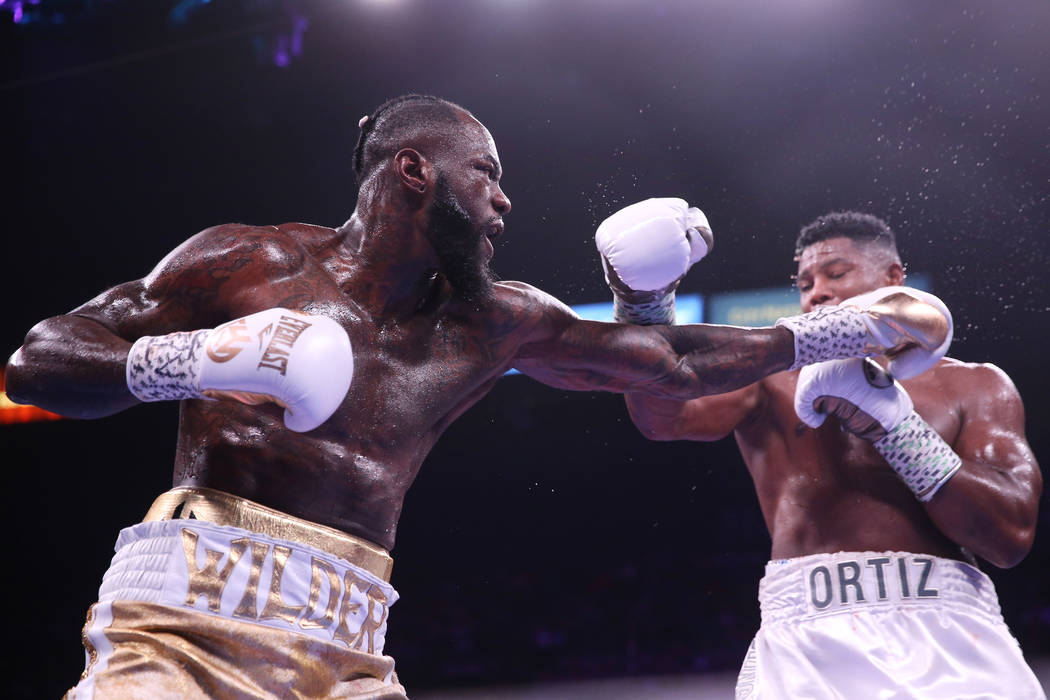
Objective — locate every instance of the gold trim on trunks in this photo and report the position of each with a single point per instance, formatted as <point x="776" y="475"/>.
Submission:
<point x="223" y="508"/>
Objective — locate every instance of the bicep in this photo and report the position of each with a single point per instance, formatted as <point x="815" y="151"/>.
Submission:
<point x="133" y="309"/>
<point x="991" y="504"/>
<point x="992" y="432"/>
<point x="591" y="355"/>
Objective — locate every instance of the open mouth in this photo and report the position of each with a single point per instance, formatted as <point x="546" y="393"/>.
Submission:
<point x="494" y="230"/>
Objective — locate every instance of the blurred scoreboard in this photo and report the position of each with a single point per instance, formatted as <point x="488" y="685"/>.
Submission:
<point x="762" y="307"/>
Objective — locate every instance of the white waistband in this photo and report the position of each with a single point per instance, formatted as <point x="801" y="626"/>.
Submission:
<point x="826" y="584"/>
<point x="250" y="577"/>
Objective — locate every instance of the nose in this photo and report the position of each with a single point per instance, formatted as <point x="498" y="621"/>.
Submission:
<point x="820" y="293"/>
<point x="501" y="203"/>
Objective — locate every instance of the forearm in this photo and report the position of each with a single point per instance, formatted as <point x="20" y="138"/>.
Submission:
<point x="73" y="366"/>
<point x="718" y="359"/>
<point x="989" y="511"/>
<point x="980" y="506"/>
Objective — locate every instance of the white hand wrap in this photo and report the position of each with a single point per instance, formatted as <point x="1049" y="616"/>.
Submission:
<point x="166" y="367"/>
<point x="301" y="362"/>
<point x="921" y="458"/>
<point x="647" y="309"/>
<point x="912" y="327"/>
<point x="648" y="246"/>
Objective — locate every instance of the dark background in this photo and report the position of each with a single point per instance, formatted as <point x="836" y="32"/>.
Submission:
<point x="544" y="538"/>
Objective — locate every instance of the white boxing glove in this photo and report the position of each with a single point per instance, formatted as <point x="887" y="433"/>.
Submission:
<point x="299" y="361"/>
<point x="868" y="401"/>
<point x="871" y="404"/>
<point x="911" y="327"/>
<point x="651" y="244"/>
<point x="925" y="337"/>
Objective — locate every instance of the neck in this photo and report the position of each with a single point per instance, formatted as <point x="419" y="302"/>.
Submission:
<point x="395" y="268"/>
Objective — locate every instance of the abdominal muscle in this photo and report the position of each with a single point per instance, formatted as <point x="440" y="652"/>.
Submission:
<point x="824" y="490"/>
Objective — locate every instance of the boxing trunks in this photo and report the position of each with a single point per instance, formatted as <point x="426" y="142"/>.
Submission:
<point x="879" y="625"/>
<point x="213" y="596"/>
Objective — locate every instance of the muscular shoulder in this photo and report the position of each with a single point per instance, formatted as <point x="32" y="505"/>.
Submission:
<point x="969" y="378"/>
<point x="315" y="239"/>
<point x="531" y="305"/>
<point x="974" y="381"/>
<point x="533" y="314"/>
<point x="979" y="389"/>
<point x="229" y="269"/>
<point x="232" y="247"/>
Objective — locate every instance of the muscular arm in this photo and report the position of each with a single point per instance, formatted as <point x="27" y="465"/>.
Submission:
<point x="991" y="504"/>
<point x="674" y="362"/>
<point x="73" y="364"/>
<point x="705" y="419"/>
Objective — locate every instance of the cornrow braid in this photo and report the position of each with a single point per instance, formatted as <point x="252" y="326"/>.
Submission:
<point x="391" y="123"/>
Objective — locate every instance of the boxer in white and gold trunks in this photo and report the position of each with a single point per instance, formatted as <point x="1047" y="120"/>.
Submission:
<point x="216" y="596"/>
<point x="877" y="495"/>
<point x="316" y="368"/>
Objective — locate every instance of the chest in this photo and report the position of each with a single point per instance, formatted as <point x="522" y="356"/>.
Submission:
<point x="419" y="373"/>
<point x="930" y="397"/>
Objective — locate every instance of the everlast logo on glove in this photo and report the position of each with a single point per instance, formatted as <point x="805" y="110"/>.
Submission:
<point x="288" y="331"/>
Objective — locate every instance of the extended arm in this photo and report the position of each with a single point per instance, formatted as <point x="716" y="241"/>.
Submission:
<point x="684" y="362"/>
<point x="677" y="362"/>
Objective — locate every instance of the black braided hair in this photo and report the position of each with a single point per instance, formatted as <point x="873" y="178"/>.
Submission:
<point x="383" y="132"/>
<point x="854" y="225"/>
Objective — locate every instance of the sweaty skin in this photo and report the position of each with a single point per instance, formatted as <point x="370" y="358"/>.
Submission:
<point x="826" y="490"/>
<point x="422" y="353"/>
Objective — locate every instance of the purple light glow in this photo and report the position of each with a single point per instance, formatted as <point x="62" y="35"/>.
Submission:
<point x="301" y="23"/>
<point x="289" y="45"/>
<point x="280" y="54"/>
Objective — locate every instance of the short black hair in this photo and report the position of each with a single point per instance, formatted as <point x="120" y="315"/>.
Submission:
<point x="854" y="225"/>
<point x="384" y="131"/>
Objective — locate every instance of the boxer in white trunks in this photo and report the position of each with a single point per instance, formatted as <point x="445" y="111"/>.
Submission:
<point x="316" y="367"/>
<point x="879" y="495"/>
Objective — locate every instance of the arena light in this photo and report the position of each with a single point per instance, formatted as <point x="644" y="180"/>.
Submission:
<point x="11" y="412"/>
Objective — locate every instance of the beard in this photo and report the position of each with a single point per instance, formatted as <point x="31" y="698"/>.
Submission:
<point x="456" y="242"/>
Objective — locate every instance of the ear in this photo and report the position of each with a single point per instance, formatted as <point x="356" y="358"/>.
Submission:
<point x="413" y="170"/>
<point x="894" y="274"/>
